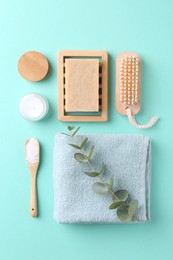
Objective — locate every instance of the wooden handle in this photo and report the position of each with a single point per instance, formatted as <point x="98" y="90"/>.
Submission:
<point x="33" y="207"/>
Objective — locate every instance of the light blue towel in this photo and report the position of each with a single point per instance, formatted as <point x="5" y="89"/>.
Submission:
<point x="127" y="159"/>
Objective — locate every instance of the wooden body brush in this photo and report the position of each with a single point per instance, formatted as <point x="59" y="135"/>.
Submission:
<point x="128" y="87"/>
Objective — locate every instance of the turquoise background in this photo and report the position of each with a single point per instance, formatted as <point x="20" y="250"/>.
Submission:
<point x="116" y="26"/>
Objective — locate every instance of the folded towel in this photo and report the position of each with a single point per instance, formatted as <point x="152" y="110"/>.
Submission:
<point x="127" y="159"/>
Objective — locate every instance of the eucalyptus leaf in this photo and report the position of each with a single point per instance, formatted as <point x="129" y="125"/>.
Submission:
<point x="75" y="131"/>
<point x="83" y="143"/>
<point x="75" y="146"/>
<point x="92" y="174"/>
<point x="70" y="128"/>
<point x="90" y="152"/>
<point x="102" y="168"/>
<point x="132" y="208"/>
<point x="80" y="158"/>
<point x="121" y="195"/>
<point x="122" y="214"/>
<point x="99" y="188"/>
<point x="115" y="205"/>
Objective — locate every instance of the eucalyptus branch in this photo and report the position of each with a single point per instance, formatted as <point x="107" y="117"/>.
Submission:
<point x="124" y="212"/>
<point x="93" y="169"/>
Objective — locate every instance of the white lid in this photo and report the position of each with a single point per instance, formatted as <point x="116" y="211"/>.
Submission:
<point x="33" y="107"/>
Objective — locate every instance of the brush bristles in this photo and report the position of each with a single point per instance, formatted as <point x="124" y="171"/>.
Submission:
<point x="129" y="79"/>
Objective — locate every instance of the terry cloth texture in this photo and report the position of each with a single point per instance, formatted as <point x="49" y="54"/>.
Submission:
<point x="126" y="158"/>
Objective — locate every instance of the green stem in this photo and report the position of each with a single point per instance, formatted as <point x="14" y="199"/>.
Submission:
<point x="101" y="179"/>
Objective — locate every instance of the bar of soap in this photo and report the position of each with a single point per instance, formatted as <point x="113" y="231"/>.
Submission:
<point x="82" y="85"/>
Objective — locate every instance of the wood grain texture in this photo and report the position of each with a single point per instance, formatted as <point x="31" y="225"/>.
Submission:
<point x="103" y="85"/>
<point x="33" y="203"/>
<point x="33" y="66"/>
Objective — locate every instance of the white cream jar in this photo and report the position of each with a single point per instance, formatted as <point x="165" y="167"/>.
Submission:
<point x="33" y="107"/>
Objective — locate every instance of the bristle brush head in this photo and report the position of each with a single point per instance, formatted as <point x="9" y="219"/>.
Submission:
<point x="128" y="80"/>
<point x="129" y="77"/>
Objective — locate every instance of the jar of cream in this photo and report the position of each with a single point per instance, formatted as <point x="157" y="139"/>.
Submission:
<point x="33" y="107"/>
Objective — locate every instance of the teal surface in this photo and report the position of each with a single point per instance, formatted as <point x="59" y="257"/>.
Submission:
<point x="115" y="26"/>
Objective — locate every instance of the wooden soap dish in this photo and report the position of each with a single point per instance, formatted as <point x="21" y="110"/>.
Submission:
<point x="79" y="115"/>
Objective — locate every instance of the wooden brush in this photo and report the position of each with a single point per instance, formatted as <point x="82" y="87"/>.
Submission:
<point x="128" y="87"/>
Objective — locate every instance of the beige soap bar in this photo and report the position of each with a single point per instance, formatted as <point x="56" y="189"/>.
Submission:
<point x="82" y="85"/>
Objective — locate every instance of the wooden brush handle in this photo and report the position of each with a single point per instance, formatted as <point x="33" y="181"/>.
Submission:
<point x="33" y="206"/>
